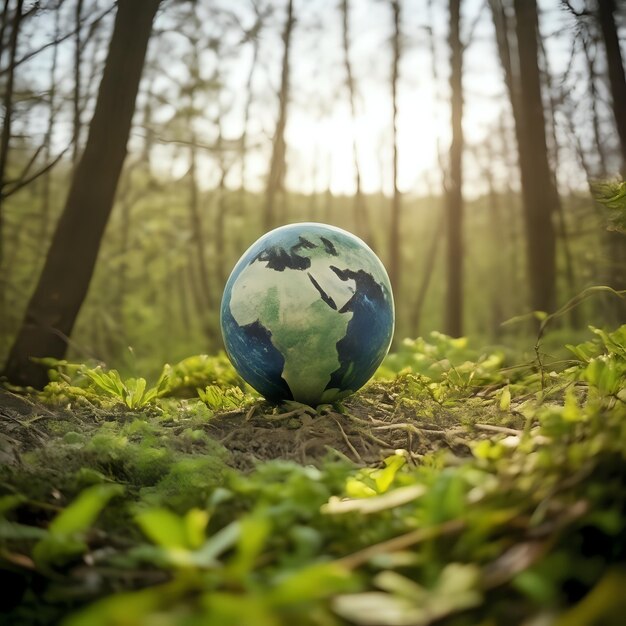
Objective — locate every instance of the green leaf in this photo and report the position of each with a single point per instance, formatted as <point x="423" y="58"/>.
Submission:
<point x="13" y="530"/>
<point x="314" y="582"/>
<point x="110" y="382"/>
<point x="82" y="513"/>
<point x="164" y="528"/>
<point x="385" y="477"/>
<point x="217" y="544"/>
<point x="134" y="396"/>
<point x="10" y="502"/>
<point x="196" y="521"/>
<point x="505" y="399"/>
<point x="65" y="533"/>
<point x="217" y="398"/>
<point x="254" y="531"/>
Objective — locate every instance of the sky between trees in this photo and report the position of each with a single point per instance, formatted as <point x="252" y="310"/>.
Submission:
<point x="320" y="128"/>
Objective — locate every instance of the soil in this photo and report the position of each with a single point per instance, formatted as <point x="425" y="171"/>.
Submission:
<point x="369" y="428"/>
<point x="366" y="428"/>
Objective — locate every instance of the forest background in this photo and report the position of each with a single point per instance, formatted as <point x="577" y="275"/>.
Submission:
<point x="461" y="140"/>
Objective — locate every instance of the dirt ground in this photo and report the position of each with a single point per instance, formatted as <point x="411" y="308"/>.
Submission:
<point x="368" y="427"/>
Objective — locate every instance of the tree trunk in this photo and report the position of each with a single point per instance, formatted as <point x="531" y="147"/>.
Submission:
<point x="568" y="258"/>
<point x="220" y="212"/>
<point x="617" y="79"/>
<point x="538" y="190"/>
<point x="66" y="275"/>
<point x="594" y="98"/>
<point x="497" y="233"/>
<point x="427" y="274"/>
<point x="539" y="195"/>
<point x="454" y="193"/>
<point x="185" y="321"/>
<point x="4" y="19"/>
<point x="246" y="120"/>
<point x="197" y="228"/>
<point x="278" y="167"/>
<point x="46" y="191"/>
<point x="361" y="219"/>
<point x="394" y="231"/>
<point x="5" y="139"/>
<point x="77" y="82"/>
<point x="615" y="67"/>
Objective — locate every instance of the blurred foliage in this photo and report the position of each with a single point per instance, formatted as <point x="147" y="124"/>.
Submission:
<point x="140" y="519"/>
<point x="145" y="308"/>
<point x="612" y="195"/>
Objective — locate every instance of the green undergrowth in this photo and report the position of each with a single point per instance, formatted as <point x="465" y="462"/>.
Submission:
<point x="497" y="496"/>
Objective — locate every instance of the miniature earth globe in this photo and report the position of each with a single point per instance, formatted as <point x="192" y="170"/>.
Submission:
<point x="307" y="314"/>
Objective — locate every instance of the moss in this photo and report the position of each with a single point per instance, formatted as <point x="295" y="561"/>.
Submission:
<point x="188" y="483"/>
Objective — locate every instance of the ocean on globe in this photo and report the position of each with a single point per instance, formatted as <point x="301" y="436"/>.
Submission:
<point x="307" y="314"/>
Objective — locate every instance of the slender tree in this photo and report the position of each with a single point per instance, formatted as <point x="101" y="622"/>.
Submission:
<point x="555" y="157"/>
<point x="615" y="70"/>
<point x="518" y="51"/>
<point x="65" y="278"/>
<point x="78" y="53"/>
<point x="278" y="167"/>
<point x="539" y="191"/>
<point x="394" y="231"/>
<point x="251" y="36"/>
<point x="360" y="209"/>
<point x="220" y="206"/>
<point x="617" y="82"/>
<point x="46" y="187"/>
<point x="454" y="192"/>
<point x="196" y="222"/>
<point x="5" y="137"/>
<point x="430" y="259"/>
<point x="594" y="97"/>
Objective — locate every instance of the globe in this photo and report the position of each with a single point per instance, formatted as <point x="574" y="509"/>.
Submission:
<point x="307" y="314"/>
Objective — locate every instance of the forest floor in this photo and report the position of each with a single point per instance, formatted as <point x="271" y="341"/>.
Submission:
<point x="460" y="487"/>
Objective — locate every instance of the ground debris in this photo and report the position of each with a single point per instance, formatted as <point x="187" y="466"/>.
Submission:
<point x="366" y="428"/>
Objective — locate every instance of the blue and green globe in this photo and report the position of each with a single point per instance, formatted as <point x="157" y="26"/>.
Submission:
<point x="307" y="314"/>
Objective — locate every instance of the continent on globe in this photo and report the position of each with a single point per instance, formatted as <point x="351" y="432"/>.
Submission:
<point x="307" y="314"/>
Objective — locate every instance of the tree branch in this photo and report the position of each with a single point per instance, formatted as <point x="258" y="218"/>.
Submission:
<point x="27" y="181"/>
<point x="55" y="42"/>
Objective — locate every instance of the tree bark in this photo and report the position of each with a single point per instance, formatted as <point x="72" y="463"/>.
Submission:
<point x="615" y="68"/>
<point x="5" y="138"/>
<point x="617" y="80"/>
<point x="66" y="275"/>
<point x="594" y="98"/>
<point x="278" y="167"/>
<point x="430" y="259"/>
<point x="394" y="231"/>
<point x="220" y="211"/>
<point x="539" y="193"/>
<point x="251" y="36"/>
<point x="361" y="218"/>
<point x="563" y="233"/>
<point x="197" y="228"/>
<point x="454" y="192"/>
<point x="246" y="119"/>
<point x="77" y="82"/>
<point x="46" y="191"/>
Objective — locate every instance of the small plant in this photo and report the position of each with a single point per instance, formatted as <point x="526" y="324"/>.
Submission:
<point x="132" y="391"/>
<point x="219" y="399"/>
<point x="613" y="196"/>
